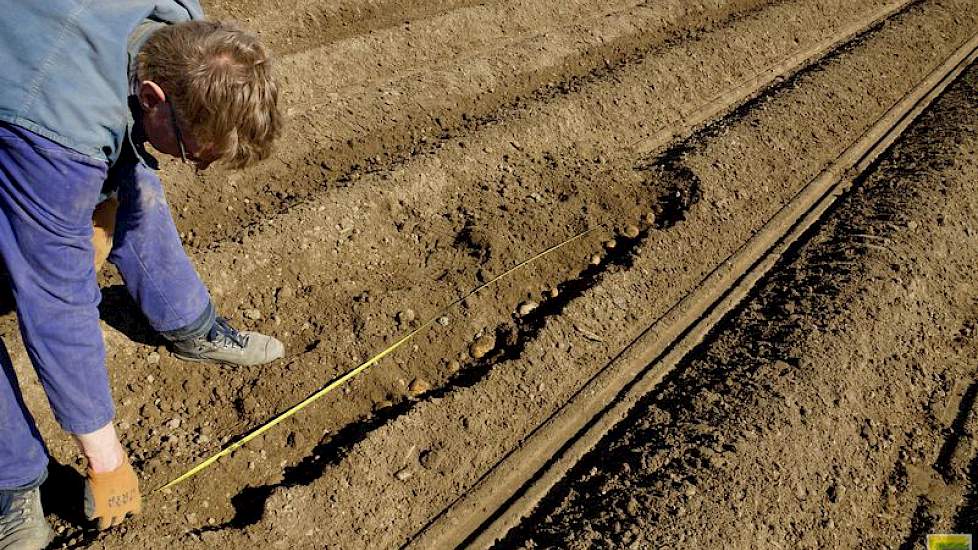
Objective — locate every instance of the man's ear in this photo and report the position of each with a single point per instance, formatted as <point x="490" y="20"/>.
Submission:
<point x="150" y="95"/>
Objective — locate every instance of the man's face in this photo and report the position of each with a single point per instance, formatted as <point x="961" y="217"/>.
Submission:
<point x="166" y="132"/>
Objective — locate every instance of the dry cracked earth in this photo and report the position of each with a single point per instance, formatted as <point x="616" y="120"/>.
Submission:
<point x="431" y="146"/>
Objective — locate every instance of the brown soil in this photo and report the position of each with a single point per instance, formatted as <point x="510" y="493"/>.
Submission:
<point x="838" y="407"/>
<point x="431" y="146"/>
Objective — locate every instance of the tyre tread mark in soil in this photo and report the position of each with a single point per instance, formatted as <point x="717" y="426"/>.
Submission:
<point x="678" y="191"/>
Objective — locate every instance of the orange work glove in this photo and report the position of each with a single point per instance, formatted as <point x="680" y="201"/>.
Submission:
<point x="109" y="496"/>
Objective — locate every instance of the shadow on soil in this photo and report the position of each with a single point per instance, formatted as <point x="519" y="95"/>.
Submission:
<point x="117" y="309"/>
<point x="958" y="431"/>
<point x="967" y="519"/>
<point x="120" y="312"/>
<point x="65" y="480"/>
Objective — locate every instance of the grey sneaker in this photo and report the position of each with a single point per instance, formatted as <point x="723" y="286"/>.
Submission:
<point x="22" y="525"/>
<point x="224" y="344"/>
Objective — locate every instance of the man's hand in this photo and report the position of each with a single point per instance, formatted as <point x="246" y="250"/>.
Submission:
<point x="109" y="496"/>
<point x="112" y="489"/>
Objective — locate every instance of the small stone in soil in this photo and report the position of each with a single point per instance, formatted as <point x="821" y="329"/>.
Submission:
<point x="252" y="314"/>
<point x="527" y="307"/>
<point x="630" y="231"/>
<point x="403" y="474"/>
<point x="632" y="507"/>
<point x="419" y="386"/>
<point x="610" y="244"/>
<point x="153" y="358"/>
<point x="406" y="316"/>
<point x="554" y="292"/>
<point x="482" y="346"/>
<point x="649" y="218"/>
<point x="596" y="259"/>
<point x="443" y="320"/>
<point x="454" y="366"/>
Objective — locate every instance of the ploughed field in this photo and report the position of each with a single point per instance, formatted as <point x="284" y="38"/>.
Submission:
<point x="431" y="146"/>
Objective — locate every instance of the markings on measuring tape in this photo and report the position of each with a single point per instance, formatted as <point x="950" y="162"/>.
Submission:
<point x="360" y="368"/>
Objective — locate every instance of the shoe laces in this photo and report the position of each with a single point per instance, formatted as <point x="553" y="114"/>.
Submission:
<point x="223" y="334"/>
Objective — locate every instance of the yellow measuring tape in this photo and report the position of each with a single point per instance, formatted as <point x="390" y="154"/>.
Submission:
<point x="362" y="367"/>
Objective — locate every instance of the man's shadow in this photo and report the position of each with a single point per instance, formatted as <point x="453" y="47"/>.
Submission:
<point x="62" y="493"/>
<point x="120" y="312"/>
<point x="62" y="496"/>
<point x="117" y="309"/>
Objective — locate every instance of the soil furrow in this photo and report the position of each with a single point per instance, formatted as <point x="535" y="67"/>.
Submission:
<point x="335" y="136"/>
<point x="816" y="415"/>
<point x="306" y="24"/>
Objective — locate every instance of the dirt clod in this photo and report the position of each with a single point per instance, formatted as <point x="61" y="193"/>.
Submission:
<point x="248" y="406"/>
<point x="284" y="293"/>
<point x="432" y="459"/>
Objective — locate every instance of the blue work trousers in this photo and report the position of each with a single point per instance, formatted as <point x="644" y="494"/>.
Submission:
<point x="47" y="196"/>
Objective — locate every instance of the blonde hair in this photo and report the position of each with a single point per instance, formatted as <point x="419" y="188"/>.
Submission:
<point x="219" y="78"/>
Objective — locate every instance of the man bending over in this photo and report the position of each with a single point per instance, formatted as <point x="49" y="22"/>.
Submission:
<point x="84" y="86"/>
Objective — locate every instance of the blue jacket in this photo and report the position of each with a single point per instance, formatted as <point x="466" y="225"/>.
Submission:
<point x="65" y="66"/>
